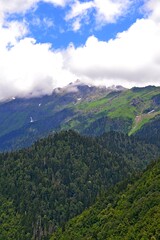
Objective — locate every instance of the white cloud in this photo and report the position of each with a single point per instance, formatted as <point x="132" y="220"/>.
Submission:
<point x="78" y="9"/>
<point x="130" y="59"/>
<point x="61" y="3"/>
<point x="76" y="25"/>
<point x="152" y="7"/>
<point x="21" y="6"/>
<point x="47" y="22"/>
<point x="106" y="11"/>
<point x="28" y="68"/>
<point x="11" y="33"/>
<point x="110" y="10"/>
<point x="78" y="12"/>
<point x="16" y="6"/>
<point x="44" y="22"/>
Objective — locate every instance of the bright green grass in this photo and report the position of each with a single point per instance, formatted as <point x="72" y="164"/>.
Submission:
<point x="121" y="106"/>
<point x="88" y="106"/>
<point x="145" y="119"/>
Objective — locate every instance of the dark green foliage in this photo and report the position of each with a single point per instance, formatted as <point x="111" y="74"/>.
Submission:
<point x="60" y="176"/>
<point x="150" y="132"/>
<point x="126" y="212"/>
<point x="128" y="148"/>
<point x="11" y="224"/>
<point x="106" y="124"/>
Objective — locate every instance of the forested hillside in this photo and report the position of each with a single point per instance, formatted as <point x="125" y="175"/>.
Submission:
<point x="150" y="132"/>
<point x="129" y="211"/>
<point x="87" y="109"/>
<point x="126" y="111"/>
<point x="11" y="222"/>
<point x="60" y="176"/>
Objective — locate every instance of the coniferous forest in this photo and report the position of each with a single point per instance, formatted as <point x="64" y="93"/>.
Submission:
<point x="57" y="178"/>
<point x="130" y="210"/>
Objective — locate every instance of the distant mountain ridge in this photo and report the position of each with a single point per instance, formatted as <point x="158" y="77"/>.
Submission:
<point x="87" y="109"/>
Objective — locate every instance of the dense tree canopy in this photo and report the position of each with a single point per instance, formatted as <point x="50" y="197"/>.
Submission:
<point x="129" y="211"/>
<point x="60" y="176"/>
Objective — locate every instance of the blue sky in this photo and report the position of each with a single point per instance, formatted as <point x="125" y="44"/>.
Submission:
<point x="50" y="43"/>
<point x="47" y="23"/>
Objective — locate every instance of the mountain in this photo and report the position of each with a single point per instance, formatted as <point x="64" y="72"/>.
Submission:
<point x="23" y="121"/>
<point x="131" y="210"/>
<point x="87" y="109"/>
<point x="125" y="111"/>
<point x="150" y="132"/>
<point x="58" y="177"/>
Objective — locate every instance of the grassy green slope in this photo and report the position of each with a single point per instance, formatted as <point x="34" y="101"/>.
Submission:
<point x="136" y="106"/>
<point x="133" y="213"/>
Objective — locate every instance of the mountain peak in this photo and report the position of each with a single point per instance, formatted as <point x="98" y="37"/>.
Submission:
<point x="79" y="85"/>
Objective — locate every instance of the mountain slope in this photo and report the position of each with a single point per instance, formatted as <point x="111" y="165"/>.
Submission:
<point x="125" y="111"/>
<point x="86" y="109"/>
<point x="60" y="176"/>
<point x="131" y="212"/>
<point x="11" y="225"/>
<point x="25" y="120"/>
<point x="150" y="132"/>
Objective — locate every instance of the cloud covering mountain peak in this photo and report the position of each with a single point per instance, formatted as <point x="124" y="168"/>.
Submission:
<point x="29" y="67"/>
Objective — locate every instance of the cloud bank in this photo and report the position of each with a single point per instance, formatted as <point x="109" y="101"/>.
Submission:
<point x="28" y="68"/>
<point x="130" y="59"/>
